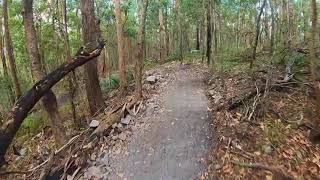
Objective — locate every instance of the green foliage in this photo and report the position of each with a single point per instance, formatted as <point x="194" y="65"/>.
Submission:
<point x="149" y="63"/>
<point x="33" y="123"/>
<point x="276" y="132"/>
<point x="113" y="81"/>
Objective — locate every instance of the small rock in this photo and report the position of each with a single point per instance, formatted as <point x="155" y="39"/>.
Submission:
<point x="23" y="151"/>
<point x="211" y="92"/>
<point x="217" y="98"/>
<point x="122" y="136"/>
<point x="114" y="125"/>
<point x="93" y="157"/>
<point x="126" y="120"/>
<point x="94" y="172"/>
<point x="119" y="126"/>
<point x="151" y="79"/>
<point x="114" y="137"/>
<point x="94" y="124"/>
<point x="267" y="149"/>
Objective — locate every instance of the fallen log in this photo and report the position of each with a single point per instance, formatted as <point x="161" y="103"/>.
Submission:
<point x="236" y="101"/>
<point x="22" y="107"/>
<point x="113" y="117"/>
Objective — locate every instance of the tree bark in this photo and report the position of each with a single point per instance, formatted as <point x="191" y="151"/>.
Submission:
<point x="198" y="37"/>
<point x="209" y="33"/>
<point x="315" y="136"/>
<point x="121" y="50"/>
<point x="72" y="80"/>
<point x="5" y="68"/>
<point x="167" y="39"/>
<point x="305" y="20"/>
<point x="180" y="33"/>
<point x="30" y="98"/>
<point x="162" y="34"/>
<point x="273" y="24"/>
<point x="142" y="10"/>
<point x="256" y="40"/>
<point x="9" y="47"/>
<point x="49" y="100"/>
<point x="91" y="35"/>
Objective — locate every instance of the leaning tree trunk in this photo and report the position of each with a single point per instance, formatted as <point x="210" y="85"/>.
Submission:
<point x="91" y="34"/>
<point x="256" y="40"/>
<point x="121" y="50"/>
<point x="49" y="100"/>
<point x="142" y="10"/>
<point x="8" y="43"/>
<point x="30" y="98"/>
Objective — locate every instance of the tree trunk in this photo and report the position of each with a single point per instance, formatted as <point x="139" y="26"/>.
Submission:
<point x="142" y="10"/>
<point x="5" y="68"/>
<point x="30" y="98"/>
<point x="167" y="39"/>
<point x="162" y="34"/>
<point x="209" y="33"/>
<point x="315" y="136"/>
<point x="179" y="19"/>
<point x="273" y="19"/>
<point x="49" y="100"/>
<point x="72" y="80"/>
<point x="254" y="52"/>
<point x="91" y="34"/>
<point x="8" y="43"/>
<point x="305" y="20"/>
<point x="198" y="37"/>
<point x="121" y="50"/>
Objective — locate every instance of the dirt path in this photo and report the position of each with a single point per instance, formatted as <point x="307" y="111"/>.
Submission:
<point x="176" y="138"/>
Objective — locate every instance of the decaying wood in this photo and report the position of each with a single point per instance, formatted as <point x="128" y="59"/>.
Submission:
<point x="113" y="117"/>
<point x="277" y="172"/>
<point x="46" y="170"/>
<point x="30" y="98"/>
<point x="238" y="100"/>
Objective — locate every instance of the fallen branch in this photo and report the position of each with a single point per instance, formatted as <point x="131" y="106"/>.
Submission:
<point x="30" y="98"/>
<point x="277" y="172"/>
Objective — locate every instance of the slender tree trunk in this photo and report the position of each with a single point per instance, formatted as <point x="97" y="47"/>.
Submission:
<point x="72" y="80"/>
<point x="273" y="24"/>
<point x="167" y="39"/>
<point x="5" y="68"/>
<point x="142" y="10"/>
<point x="162" y="34"/>
<point x="209" y="33"/>
<point x="91" y="36"/>
<point x="305" y="20"/>
<point x="197" y="37"/>
<point x="284" y="23"/>
<point x="49" y="100"/>
<point x="256" y="40"/>
<point x="9" y="47"/>
<point x="203" y="34"/>
<point x="121" y="50"/>
<point x="179" y="19"/>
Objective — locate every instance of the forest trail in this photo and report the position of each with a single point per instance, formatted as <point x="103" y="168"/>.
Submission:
<point x="178" y="136"/>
